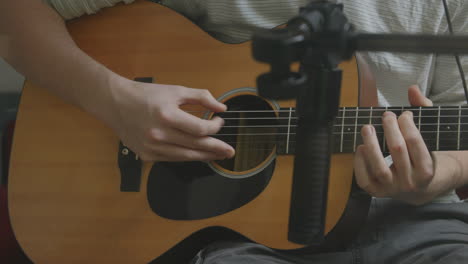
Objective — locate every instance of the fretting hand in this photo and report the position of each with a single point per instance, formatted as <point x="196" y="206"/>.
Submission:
<point x="415" y="176"/>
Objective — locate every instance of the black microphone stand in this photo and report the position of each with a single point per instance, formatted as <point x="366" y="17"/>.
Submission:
<point x="320" y="38"/>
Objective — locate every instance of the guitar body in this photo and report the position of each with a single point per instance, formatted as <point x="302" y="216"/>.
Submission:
<point x="65" y="200"/>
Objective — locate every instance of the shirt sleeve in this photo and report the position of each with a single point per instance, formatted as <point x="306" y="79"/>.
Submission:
<point x="69" y="9"/>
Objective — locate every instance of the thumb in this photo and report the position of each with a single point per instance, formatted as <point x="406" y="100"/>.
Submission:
<point x="416" y="98"/>
<point x="204" y="98"/>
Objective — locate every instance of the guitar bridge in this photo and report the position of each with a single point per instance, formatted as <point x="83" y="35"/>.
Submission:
<point x="130" y="170"/>
<point x="129" y="163"/>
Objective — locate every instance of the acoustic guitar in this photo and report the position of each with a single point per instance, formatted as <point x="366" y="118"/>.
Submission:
<point x="77" y="195"/>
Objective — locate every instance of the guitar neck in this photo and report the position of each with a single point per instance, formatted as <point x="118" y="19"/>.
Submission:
<point x="442" y="128"/>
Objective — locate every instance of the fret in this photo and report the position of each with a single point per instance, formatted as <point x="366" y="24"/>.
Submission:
<point x="458" y="130"/>
<point x="396" y="110"/>
<point x="448" y="128"/>
<point x="365" y="117"/>
<point x="383" y="135"/>
<point x="342" y="128"/>
<point x="429" y="127"/>
<point x="337" y="131"/>
<point x="376" y="121"/>
<point x="416" y="115"/>
<point x="464" y="128"/>
<point x="355" y="128"/>
<point x="285" y="138"/>
<point x="442" y="128"/>
<point x="419" y="121"/>
<point x="289" y="130"/>
<point x="349" y="130"/>
<point x="293" y="131"/>
<point x="438" y="129"/>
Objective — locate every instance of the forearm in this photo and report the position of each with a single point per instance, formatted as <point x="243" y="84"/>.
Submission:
<point x="39" y="46"/>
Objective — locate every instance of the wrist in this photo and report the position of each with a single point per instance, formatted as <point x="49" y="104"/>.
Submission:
<point x="448" y="171"/>
<point x="446" y="174"/>
<point x="106" y="107"/>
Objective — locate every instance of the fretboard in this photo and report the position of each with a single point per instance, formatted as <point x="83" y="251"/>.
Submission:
<point x="442" y="128"/>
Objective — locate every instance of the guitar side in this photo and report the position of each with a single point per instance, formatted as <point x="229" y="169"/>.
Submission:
<point x="65" y="200"/>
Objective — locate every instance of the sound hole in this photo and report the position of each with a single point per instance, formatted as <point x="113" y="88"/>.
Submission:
<point x="250" y="127"/>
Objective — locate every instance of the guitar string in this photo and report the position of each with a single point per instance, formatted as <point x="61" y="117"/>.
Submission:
<point x="335" y="133"/>
<point x="338" y="118"/>
<point x="293" y="141"/>
<point x="361" y="109"/>
<point x="337" y="125"/>
<point x="350" y="148"/>
<point x="447" y="129"/>
<point x="430" y="143"/>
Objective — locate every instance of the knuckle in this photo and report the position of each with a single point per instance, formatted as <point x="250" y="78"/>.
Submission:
<point x="205" y="93"/>
<point x="363" y="184"/>
<point x="179" y="88"/>
<point x="408" y="187"/>
<point x="380" y="173"/>
<point x="201" y="130"/>
<point x="190" y="155"/>
<point x="159" y="137"/>
<point x="426" y="174"/>
<point x="156" y="135"/>
<point x="411" y="139"/>
<point x="360" y="150"/>
<point x="396" y="148"/>
<point x="405" y="117"/>
<point x="165" y="116"/>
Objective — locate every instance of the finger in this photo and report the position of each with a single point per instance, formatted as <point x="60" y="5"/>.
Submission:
<point x="170" y="152"/>
<point x="397" y="146"/>
<point x="417" y="149"/>
<point x="365" y="179"/>
<point x="416" y="98"/>
<point x="191" y="124"/>
<point x="378" y="168"/>
<point x="204" y="98"/>
<point x="206" y="144"/>
<point x="360" y="171"/>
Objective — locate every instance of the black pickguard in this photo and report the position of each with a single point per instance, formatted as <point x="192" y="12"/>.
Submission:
<point x="192" y="190"/>
<point x="337" y="239"/>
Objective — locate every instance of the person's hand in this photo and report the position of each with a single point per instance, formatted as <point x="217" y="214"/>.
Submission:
<point x="150" y="122"/>
<point x="415" y="177"/>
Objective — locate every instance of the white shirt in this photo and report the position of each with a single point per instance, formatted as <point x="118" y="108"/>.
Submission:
<point x="69" y="9"/>
<point x="437" y="76"/>
<point x="235" y="21"/>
